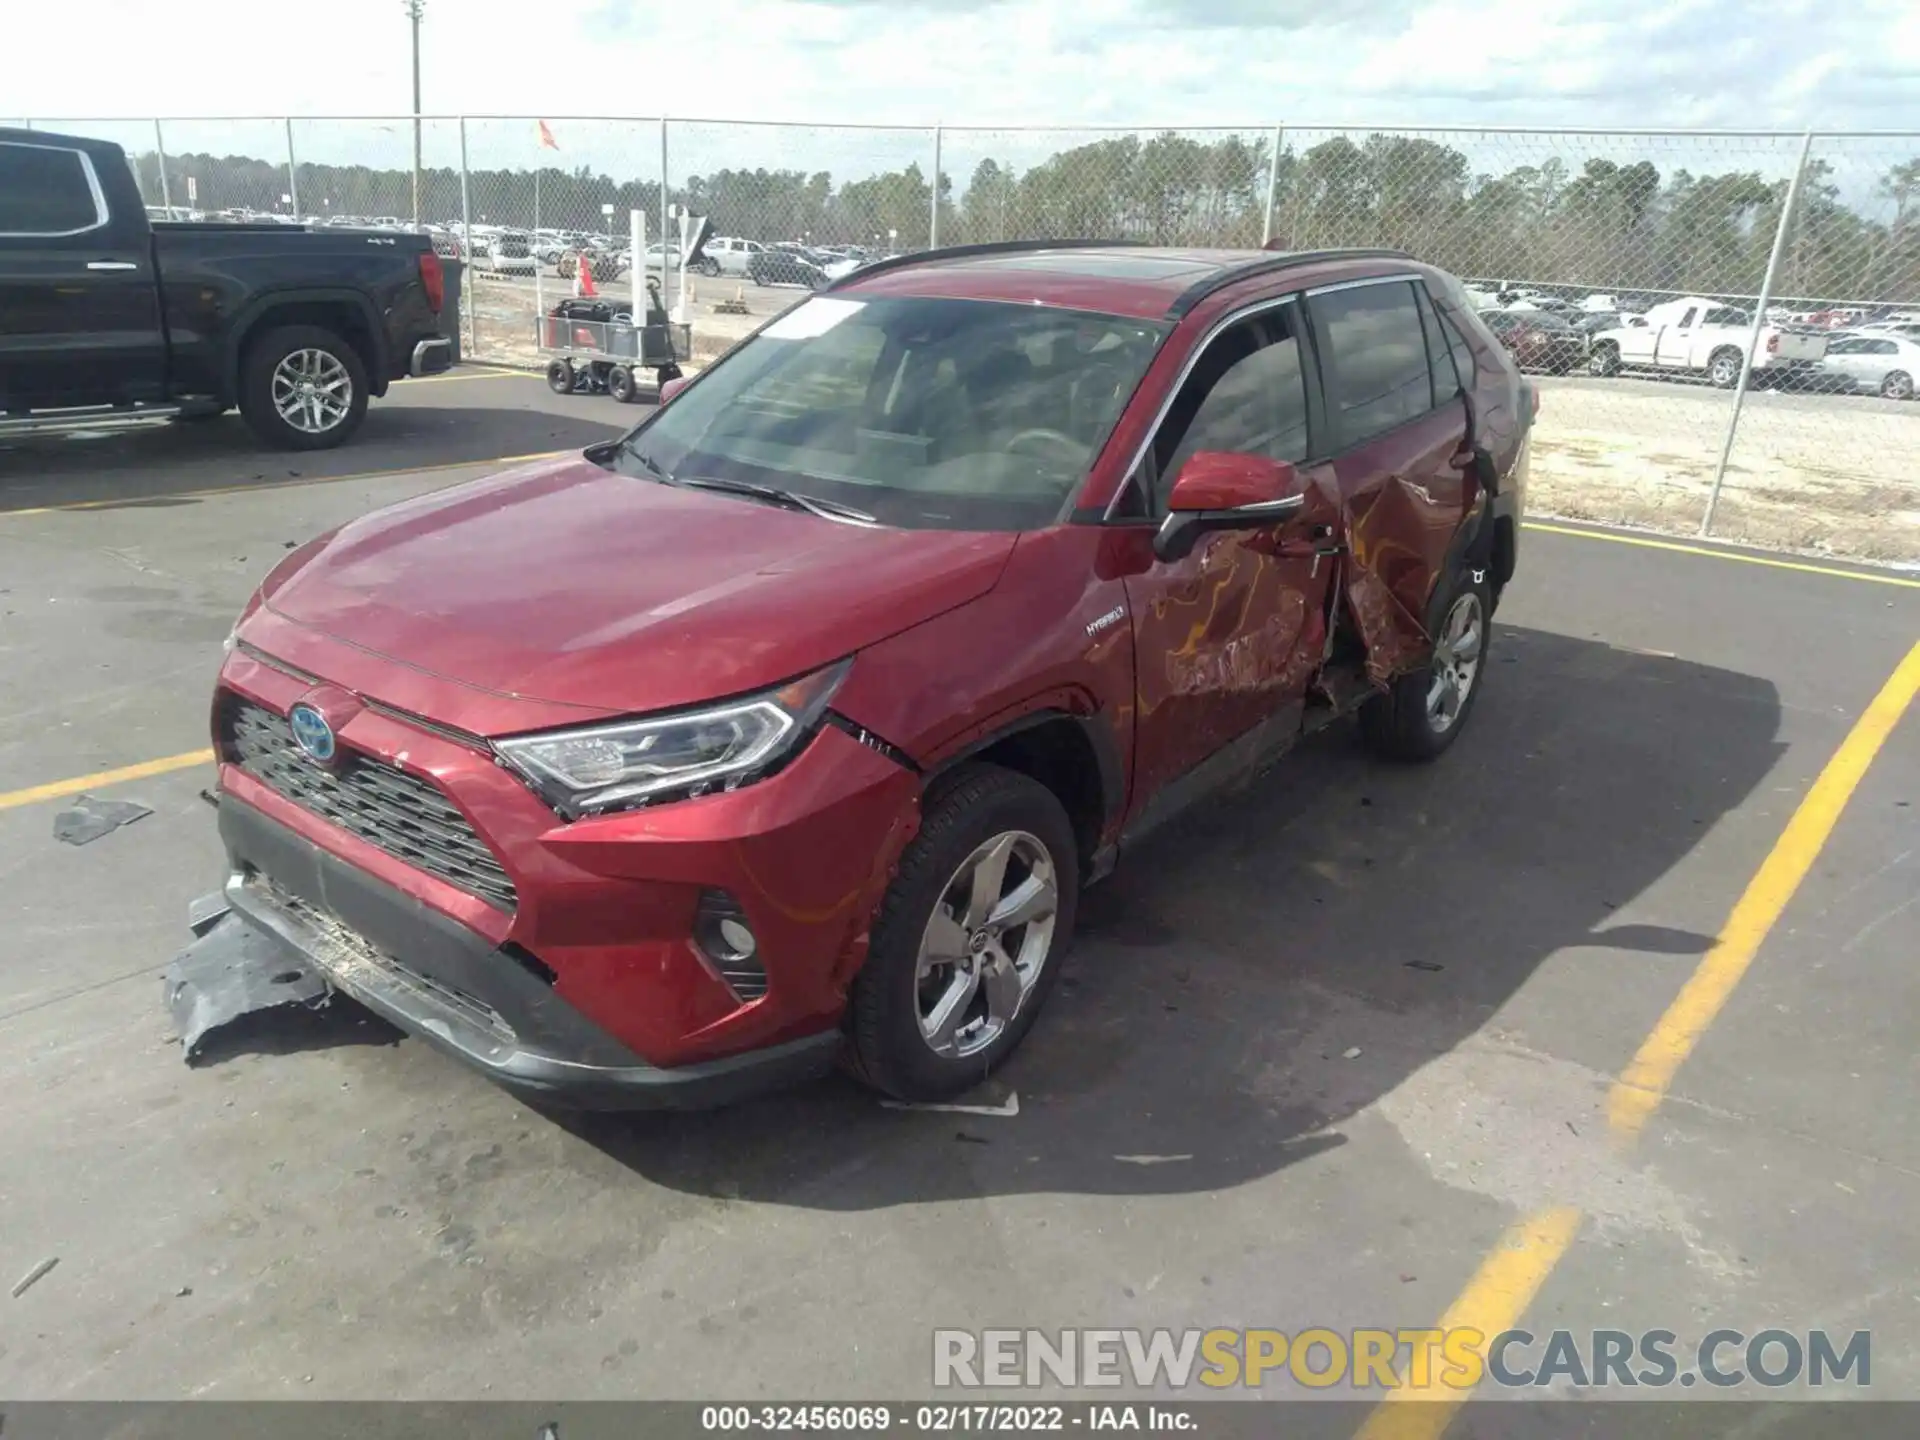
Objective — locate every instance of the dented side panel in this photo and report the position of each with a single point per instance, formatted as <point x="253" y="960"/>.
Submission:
<point x="1403" y="499"/>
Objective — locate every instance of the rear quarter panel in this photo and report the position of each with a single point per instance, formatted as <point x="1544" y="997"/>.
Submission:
<point x="216" y="281"/>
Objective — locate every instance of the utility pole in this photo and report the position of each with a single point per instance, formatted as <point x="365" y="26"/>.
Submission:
<point x="414" y="9"/>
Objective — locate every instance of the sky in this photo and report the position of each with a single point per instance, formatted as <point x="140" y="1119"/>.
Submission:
<point x="1241" y="63"/>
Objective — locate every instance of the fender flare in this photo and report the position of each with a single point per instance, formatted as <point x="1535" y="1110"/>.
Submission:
<point x="1100" y="739"/>
<point x="249" y="316"/>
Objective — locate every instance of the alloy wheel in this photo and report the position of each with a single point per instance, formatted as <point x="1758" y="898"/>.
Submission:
<point x="986" y="944"/>
<point x="312" y="390"/>
<point x="1456" y="661"/>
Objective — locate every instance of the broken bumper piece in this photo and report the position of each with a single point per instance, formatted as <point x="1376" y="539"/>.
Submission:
<point x="232" y="970"/>
<point x="452" y="987"/>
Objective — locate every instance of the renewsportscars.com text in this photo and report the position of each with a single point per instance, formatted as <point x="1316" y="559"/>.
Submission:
<point x="1376" y="1359"/>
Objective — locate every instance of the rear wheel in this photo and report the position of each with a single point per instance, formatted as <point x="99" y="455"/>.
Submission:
<point x="560" y="376"/>
<point x="303" y="388"/>
<point x="1422" y="712"/>
<point x="620" y="384"/>
<point x="1723" y="369"/>
<point x="1897" y="386"/>
<point x="968" y="941"/>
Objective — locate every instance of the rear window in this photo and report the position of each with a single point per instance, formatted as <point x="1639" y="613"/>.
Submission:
<point x="1377" y="375"/>
<point x="44" y="190"/>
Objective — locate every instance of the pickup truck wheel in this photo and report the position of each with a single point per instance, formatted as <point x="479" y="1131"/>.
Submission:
<point x="1723" y="368"/>
<point x="1422" y="712"/>
<point x="303" y="388"/>
<point x="968" y="941"/>
<point x="1604" y="361"/>
<point x="1897" y="386"/>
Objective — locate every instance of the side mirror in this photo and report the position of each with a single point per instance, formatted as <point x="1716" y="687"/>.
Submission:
<point x="1224" y="490"/>
<point x="671" y="388"/>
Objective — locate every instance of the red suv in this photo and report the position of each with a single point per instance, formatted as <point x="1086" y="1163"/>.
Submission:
<point x="789" y="726"/>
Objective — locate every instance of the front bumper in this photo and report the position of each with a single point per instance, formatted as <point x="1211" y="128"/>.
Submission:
<point x="431" y="357"/>
<point x="459" y="992"/>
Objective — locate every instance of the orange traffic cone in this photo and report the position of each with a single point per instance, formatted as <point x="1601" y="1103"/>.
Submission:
<point x="583" y="275"/>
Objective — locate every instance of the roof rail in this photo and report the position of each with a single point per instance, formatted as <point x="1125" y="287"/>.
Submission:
<point x="961" y="252"/>
<point x="1285" y="260"/>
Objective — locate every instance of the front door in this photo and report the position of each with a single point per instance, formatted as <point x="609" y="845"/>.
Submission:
<point x="1227" y="638"/>
<point x="77" y="290"/>
<point x="1674" y="343"/>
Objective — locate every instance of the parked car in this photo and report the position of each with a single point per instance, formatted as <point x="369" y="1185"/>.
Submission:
<point x="109" y="315"/>
<point x="507" y="252"/>
<point x="603" y="265"/>
<point x="1882" y="361"/>
<point x="781" y="266"/>
<point x="1699" y="336"/>
<point x="791" y="724"/>
<point x="1538" y="339"/>
<point x="730" y="255"/>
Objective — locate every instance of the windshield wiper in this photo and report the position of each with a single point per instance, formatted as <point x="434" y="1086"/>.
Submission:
<point x="773" y="495"/>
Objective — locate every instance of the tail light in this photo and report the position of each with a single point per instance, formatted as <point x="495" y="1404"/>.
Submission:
<point x="434" y="279"/>
<point x="1773" y="343"/>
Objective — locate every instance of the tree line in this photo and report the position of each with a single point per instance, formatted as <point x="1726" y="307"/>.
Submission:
<point x="1606" y="225"/>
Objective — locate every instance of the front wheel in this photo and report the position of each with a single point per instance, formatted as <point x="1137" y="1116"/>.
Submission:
<point x="620" y="384"/>
<point x="1604" y="362"/>
<point x="1897" y="386"/>
<point x="303" y="388"/>
<point x="1421" y="712"/>
<point x="968" y="941"/>
<point x="560" y="377"/>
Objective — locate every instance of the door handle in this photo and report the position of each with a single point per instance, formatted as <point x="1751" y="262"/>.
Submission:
<point x="112" y="265"/>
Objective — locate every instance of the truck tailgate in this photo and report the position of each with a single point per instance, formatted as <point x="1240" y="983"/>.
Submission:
<point x="1792" y="345"/>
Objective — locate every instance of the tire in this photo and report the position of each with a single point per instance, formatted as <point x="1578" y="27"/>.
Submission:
<point x="560" y="376"/>
<point x="1723" y="369"/>
<point x="274" y="367"/>
<point x="620" y="384"/>
<point x="1604" y="361"/>
<point x="977" y="810"/>
<point x="1403" y="723"/>
<point x="1897" y="386"/>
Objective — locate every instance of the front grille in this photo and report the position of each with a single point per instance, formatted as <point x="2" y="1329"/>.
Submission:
<point x="402" y="814"/>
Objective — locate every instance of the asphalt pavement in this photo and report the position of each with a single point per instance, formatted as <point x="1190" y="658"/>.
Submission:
<point x="1315" y="1053"/>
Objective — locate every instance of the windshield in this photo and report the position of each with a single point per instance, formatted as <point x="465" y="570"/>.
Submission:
<point x="924" y="413"/>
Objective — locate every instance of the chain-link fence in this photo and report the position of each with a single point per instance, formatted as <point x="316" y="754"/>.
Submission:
<point x="1585" y="247"/>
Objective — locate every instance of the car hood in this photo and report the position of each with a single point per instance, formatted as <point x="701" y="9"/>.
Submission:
<point x="567" y="583"/>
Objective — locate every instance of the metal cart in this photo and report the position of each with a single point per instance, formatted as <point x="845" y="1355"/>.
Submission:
<point x="596" y="356"/>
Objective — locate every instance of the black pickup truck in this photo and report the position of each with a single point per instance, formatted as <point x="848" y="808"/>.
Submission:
<point x="106" y="315"/>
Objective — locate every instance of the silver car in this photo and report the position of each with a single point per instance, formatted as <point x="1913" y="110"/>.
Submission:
<point x="1884" y="362"/>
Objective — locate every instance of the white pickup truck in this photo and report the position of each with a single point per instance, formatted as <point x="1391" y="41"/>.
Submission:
<point x="1703" y="337"/>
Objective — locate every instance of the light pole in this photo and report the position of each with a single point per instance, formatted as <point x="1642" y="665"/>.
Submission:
<point x="414" y="9"/>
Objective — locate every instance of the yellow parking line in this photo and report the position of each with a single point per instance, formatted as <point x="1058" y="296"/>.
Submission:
<point x="1512" y="1274"/>
<point x="60" y="789"/>
<point x="263" y="487"/>
<point x="1643" y="1084"/>
<point x="1680" y="547"/>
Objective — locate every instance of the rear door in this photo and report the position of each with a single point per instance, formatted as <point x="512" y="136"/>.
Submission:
<point x="79" y="302"/>
<point x="1399" y="454"/>
<point x="1227" y="638"/>
<point x="1673" y="344"/>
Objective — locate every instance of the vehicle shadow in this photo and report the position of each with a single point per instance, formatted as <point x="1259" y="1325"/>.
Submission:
<point x="161" y="464"/>
<point x="1249" y="980"/>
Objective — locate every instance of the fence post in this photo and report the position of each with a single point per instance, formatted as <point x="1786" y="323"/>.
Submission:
<point x="1273" y="184"/>
<point x="933" y="220"/>
<point x="160" y="154"/>
<point x="293" y="171"/>
<point x="1753" y="331"/>
<point x="641" y="260"/>
<point x="466" y="248"/>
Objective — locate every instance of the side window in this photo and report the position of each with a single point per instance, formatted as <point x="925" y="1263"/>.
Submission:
<point x="1375" y="365"/>
<point x="1247" y="395"/>
<point x="1885" y="347"/>
<point x="1440" y="361"/>
<point x="44" y="190"/>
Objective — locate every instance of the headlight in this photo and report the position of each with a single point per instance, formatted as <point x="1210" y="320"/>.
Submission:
<point x="634" y="762"/>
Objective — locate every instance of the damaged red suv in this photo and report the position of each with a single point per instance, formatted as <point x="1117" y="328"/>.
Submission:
<point x="789" y="726"/>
